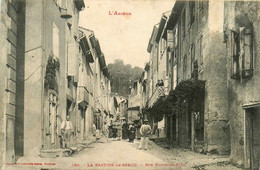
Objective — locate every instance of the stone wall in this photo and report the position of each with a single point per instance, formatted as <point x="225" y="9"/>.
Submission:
<point x="10" y="26"/>
<point x="244" y="91"/>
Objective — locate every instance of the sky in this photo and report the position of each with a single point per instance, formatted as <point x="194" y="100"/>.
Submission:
<point x="124" y="37"/>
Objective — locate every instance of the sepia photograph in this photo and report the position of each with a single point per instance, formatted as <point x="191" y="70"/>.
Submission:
<point x="129" y="84"/>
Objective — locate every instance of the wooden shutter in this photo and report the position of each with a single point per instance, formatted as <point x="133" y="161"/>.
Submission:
<point x="73" y="62"/>
<point x="246" y="52"/>
<point x="176" y="36"/>
<point x="234" y="52"/>
<point x="170" y="40"/>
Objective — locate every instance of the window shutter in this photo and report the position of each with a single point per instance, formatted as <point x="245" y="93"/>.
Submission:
<point x="72" y="59"/>
<point x="174" y="76"/>
<point x="234" y="52"/>
<point x="247" y="52"/>
<point x="192" y="56"/>
<point x="192" y="12"/>
<point x="170" y="40"/>
<point x="176" y="36"/>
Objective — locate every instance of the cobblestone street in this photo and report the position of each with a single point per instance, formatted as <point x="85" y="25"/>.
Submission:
<point x="125" y="155"/>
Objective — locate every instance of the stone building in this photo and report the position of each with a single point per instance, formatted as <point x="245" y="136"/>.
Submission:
<point x="135" y="102"/>
<point x="85" y="90"/>
<point x="12" y="38"/>
<point x="190" y="39"/>
<point x="121" y="111"/>
<point x="215" y="42"/>
<point x="242" y="38"/>
<point x="93" y="87"/>
<point x="39" y="84"/>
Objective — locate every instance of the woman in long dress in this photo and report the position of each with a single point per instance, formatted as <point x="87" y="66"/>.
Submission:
<point x="131" y="133"/>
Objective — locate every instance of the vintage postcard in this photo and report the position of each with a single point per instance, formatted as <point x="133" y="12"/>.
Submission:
<point x="129" y="84"/>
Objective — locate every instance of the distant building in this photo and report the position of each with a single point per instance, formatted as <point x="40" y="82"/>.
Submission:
<point x="135" y="102"/>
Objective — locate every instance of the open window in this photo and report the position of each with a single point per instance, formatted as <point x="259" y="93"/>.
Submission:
<point x="234" y="55"/>
<point x="246" y="52"/>
<point x="242" y="53"/>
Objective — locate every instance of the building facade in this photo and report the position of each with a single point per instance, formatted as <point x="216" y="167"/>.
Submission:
<point x="215" y="43"/>
<point x="185" y="46"/>
<point x="50" y="69"/>
<point x="12" y="27"/>
<point x="241" y="35"/>
<point x="135" y="102"/>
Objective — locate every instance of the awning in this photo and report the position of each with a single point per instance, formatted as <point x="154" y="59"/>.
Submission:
<point x="83" y="97"/>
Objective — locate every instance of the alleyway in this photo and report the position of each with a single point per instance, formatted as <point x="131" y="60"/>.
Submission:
<point x="124" y="155"/>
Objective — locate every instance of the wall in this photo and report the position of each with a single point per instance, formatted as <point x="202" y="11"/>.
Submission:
<point x="11" y="28"/>
<point x="215" y="74"/>
<point x="247" y="90"/>
<point x="40" y="17"/>
<point x="206" y="37"/>
<point x="19" y="121"/>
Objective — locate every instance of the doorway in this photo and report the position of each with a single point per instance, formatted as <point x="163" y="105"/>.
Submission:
<point x="252" y="138"/>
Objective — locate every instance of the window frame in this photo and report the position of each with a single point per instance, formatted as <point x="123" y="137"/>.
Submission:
<point x="234" y="50"/>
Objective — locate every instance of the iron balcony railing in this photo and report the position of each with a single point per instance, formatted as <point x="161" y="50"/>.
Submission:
<point x="159" y="92"/>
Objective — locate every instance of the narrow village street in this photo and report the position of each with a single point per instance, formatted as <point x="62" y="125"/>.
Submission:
<point x="124" y="155"/>
<point x="84" y="83"/>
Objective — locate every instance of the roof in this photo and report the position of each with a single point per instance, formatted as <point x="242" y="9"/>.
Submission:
<point x="173" y="17"/>
<point x="152" y="38"/>
<point x="162" y="25"/>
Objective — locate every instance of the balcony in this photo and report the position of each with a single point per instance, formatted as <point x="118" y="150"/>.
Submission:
<point x="159" y="92"/>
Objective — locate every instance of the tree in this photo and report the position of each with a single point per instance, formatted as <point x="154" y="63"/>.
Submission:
<point x="122" y="76"/>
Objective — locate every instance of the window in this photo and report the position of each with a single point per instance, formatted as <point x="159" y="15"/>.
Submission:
<point x="53" y="121"/>
<point x="174" y="76"/>
<point x="235" y="55"/>
<point x="192" y="12"/>
<point x="184" y="66"/>
<point x="170" y="40"/>
<point x="55" y="40"/>
<point x="176" y="36"/>
<point x="192" y="56"/>
<point x="246" y="52"/>
<point x="200" y="57"/>
<point x="241" y="53"/>
<point x="169" y="63"/>
<point x="183" y="23"/>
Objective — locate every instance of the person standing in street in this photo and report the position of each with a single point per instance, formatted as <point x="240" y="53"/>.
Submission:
<point x="67" y="130"/>
<point x="145" y="131"/>
<point x="106" y="130"/>
<point x="124" y="127"/>
<point x="94" y="129"/>
<point x="131" y="133"/>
